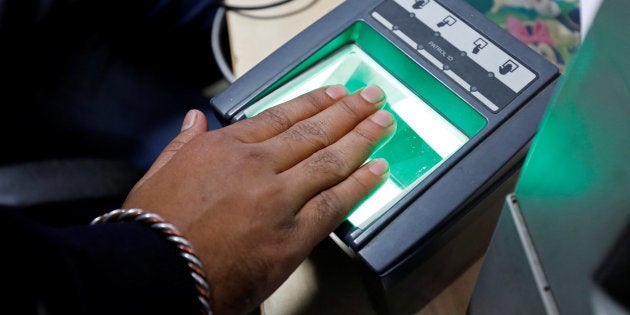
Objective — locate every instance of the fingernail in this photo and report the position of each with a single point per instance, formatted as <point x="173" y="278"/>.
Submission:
<point x="372" y="94"/>
<point x="189" y="120"/>
<point x="379" y="167"/>
<point x="337" y="92"/>
<point x="382" y="118"/>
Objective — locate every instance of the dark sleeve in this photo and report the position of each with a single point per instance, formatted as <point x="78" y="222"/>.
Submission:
<point x="113" y="268"/>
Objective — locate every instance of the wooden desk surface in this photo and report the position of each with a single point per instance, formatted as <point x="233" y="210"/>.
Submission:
<point x="256" y="34"/>
<point x="253" y="36"/>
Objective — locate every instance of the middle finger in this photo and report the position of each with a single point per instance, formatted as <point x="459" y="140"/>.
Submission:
<point x="311" y="135"/>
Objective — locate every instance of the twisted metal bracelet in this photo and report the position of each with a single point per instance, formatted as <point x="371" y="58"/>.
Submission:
<point x="156" y="222"/>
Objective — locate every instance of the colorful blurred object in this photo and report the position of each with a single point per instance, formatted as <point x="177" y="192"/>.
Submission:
<point x="550" y="27"/>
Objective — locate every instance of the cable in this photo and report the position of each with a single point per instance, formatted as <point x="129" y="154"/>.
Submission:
<point x="215" y="41"/>
<point x="217" y="28"/>
<point x="258" y="7"/>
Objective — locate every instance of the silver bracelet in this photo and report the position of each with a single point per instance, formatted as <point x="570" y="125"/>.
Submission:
<point x="156" y="222"/>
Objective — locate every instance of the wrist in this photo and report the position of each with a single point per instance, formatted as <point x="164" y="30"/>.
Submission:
<point x="170" y="233"/>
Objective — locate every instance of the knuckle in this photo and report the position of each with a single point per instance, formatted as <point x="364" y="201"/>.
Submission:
<point x="356" y="181"/>
<point x="294" y="135"/>
<point x="310" y="131"/>
<point x="346" y="107"/>
<point x="315" y="100"/>
<point x="327" y="161"/>
<point x="328" y="206"/>
<point x="277" y="118"/>
<point x="366" y="134"/>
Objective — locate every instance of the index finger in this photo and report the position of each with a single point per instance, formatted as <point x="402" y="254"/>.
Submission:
<point x="277" y="119"/>
<point x="322" y="214"/>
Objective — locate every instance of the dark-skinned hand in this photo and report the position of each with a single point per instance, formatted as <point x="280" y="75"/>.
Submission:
<point x="255" y="197"/>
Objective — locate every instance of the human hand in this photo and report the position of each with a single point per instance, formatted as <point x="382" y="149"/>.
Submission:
<point x="255" y="197"/>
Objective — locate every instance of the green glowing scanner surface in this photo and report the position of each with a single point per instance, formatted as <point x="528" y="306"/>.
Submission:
<point x="423" y="139"/>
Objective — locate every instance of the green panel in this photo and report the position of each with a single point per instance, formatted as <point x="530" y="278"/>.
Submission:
<point x="432" y="122"/>
<point x="421" y="82"/>
<point x="574" y="188"/>
<point x="411" y="160"/>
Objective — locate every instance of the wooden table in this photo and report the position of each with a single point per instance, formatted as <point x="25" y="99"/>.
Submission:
<point x="326" y="283"/>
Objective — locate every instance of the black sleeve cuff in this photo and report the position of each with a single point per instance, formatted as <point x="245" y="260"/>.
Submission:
<point x="111" y="268"/>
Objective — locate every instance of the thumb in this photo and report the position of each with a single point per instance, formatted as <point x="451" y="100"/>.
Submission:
<point x="194" y="123"/>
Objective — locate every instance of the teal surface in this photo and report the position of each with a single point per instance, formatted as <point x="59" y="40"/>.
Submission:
<point x="574" y="188"/>
<point x="414" y="77"/>
<point x="432" y="121"/>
